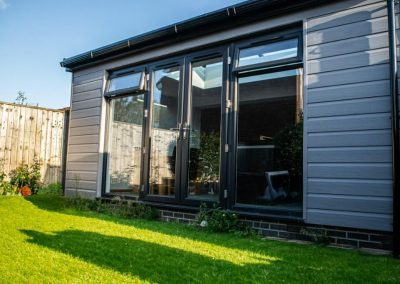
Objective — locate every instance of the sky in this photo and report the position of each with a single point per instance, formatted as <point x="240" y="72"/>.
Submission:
<point x="35" y="35"/>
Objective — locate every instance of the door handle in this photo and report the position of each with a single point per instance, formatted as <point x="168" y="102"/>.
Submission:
<point x="185" y="130"/>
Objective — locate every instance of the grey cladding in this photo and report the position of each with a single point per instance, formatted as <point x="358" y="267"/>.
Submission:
<point x="349" y="164"/>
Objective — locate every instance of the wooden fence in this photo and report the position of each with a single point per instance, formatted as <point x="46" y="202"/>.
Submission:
<point x="28" y="133"/>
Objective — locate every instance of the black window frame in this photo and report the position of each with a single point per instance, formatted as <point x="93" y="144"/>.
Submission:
<point x="109" y="96"/>
<point x="233" y="72"/>
<point x="141" y="88"/>
<point x="247" y="71"/>
<point x="269" y="66"/>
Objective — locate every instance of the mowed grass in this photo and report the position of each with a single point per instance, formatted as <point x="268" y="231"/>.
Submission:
<point x="42" y="241"/>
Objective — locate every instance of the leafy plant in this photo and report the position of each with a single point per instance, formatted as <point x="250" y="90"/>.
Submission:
<point x="21" y="98"/>
<point x="26" y="175"/>
<point x="217" y="219"/>
<point x="289" y="152"/>
<point x="7" y="188"/>
<point x="52" y="188"/>
<point x="116" y="207"/>
<point x="2" y="173"/>
<point x="317" y="236"/>
<point x="209" y="157"/>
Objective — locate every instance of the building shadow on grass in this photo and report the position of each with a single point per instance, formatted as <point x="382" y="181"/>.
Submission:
<point x="149" y="261"/>
<point x="57" y="204"/>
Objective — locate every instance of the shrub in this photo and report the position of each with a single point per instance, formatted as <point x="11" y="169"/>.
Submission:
<point x="315" y="235"/>
<point x="26" y="176"/>
<point x="8" y="189"/>
<point x="217" y="219"/>
<point x="52" y="188"/>
<point x="116" y="207"/>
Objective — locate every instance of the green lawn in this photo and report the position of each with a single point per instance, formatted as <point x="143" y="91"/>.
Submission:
<point x="42" y="241"/>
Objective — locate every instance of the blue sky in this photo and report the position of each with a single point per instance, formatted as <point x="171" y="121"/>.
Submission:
<point x="36" y="35"/>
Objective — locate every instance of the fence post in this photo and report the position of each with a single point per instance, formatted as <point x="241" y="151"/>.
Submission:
<point x="65" y="148"/>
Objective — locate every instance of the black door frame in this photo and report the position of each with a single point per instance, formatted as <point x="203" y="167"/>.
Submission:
<point x="229" y="50"/>
<point x="152" y="68"/>
<point x="219" y="52"/>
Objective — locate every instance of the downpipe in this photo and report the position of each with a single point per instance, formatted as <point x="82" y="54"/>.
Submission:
<point x="395" y="124"/>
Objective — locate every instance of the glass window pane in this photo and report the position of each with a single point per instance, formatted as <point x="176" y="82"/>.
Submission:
<point x="270" y="141"/>
<point x="126" y="144"/>
<point x="126" y="81"/>
<point x="268" y="52"/>
<point x="164" y="131"/>
<point x="204" y="154"/>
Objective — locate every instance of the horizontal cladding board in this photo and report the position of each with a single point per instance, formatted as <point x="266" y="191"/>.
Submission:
<point x="350" y="171"/>
<point x="349" y="123"/>
<point x="83" y="157"/>
<point x="89" y="112"/>
<point x="84" y="139"/>
<point x="348" y="16"/>
<point x="350" y="107"/>
<point x="357" y="29"/>
<point x="349" y="76"/>
<point x="88" y="95"/>
<point x="87" y="121"/>
<point x="353" y="60"/>
<point x="98" y="84"/>
<point x="84" y="193"/>
<point x="87" y="78"/>
<point x="85" y="104"/>
<point x="381" y="222"/>
<point x="84" y="130"/>
<point x="350" y="187"/>
<point x="351" y="91"/>
<point x="82" y="166"/>
<point x="382" y="205"/>
<point x="350" y="155"/>
<point x="89" y="185"/>
<point x="81" y="175"/>
<point x="347" y="46"/>
<point x="357" y="138"/>
<point x="88" y="148"/>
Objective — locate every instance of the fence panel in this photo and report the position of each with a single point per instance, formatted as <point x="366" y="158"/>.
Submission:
<point x="30" y="133"/>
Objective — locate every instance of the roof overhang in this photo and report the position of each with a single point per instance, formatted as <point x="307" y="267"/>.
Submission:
<point x="229" y="17"/>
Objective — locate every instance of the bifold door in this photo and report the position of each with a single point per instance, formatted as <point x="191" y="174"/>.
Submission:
<point x="183" y="140"/>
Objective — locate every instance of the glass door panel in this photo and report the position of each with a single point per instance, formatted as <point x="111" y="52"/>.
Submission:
<point x="203" y="181"/>
<point x="270" y="141"/>
<point x="164" y="131"/>
<point x="125" y="146"/>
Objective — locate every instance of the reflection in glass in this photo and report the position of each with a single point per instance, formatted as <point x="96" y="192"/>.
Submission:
<point x="126" y="144"/>
<point x="125" y="82"/>
<point x="204" y="154"/>
<point x="270" y="140"/>
<point x="268" y="52"/>
<point x="164" y="131"/>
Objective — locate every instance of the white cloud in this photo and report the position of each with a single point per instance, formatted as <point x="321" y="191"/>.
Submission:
<point x="3" y="4"/>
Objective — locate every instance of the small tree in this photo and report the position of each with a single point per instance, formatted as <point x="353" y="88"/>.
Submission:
<point x="21" y="98"/>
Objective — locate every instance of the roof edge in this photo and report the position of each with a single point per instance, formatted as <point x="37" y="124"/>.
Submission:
<point x="221" y="19"/>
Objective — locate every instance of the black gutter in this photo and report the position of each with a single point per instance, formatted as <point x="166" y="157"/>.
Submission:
<point x="229" y="17"/>
<point x="395" y="125"/>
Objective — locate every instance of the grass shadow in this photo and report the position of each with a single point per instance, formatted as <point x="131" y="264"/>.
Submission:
<point x="148" y="261"/>
<point x="182" y="252"/>
<point x="57" y="204"/>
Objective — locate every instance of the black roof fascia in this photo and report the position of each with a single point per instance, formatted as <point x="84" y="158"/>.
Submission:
<point x="221" y="19"/>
